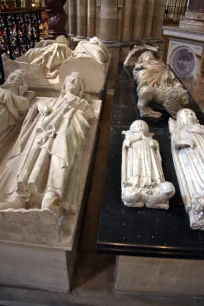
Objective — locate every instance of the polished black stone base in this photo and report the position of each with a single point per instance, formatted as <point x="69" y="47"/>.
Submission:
<point x="144" y="232"/>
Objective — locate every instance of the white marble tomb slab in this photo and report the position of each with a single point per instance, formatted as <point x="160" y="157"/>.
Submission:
<point x="93" y="72"/>
<point x="35" y="227"/>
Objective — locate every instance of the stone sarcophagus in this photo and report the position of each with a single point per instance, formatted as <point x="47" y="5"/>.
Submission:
<point x="44" y="173"/>
<point x="48" y="64"/>
<point x="43" y="177"/>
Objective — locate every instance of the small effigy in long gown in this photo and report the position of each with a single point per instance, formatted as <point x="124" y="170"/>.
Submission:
<point x="143" y="181"/>
<point x="189" y="162"/>
<point x="143" y="164"/>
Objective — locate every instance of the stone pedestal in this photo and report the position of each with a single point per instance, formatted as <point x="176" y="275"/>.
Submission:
<point x="159" y="276"/>
<point x="37" y="268"/>
<point x="193" y="21"/>
<point x="185" y="50"/>
<point x="57" y="18"/>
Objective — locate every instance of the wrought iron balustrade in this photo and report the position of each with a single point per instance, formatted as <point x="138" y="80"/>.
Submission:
<point x="176" y="13"/>
<point x="18" y="32"/>
<point x="1" y="72"/>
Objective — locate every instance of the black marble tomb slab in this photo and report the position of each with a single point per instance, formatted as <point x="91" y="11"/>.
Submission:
<point x="125" y="109"/>
<point x="143" y="232"/>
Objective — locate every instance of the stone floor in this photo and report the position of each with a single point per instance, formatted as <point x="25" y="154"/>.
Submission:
<point x="94" y="277"/>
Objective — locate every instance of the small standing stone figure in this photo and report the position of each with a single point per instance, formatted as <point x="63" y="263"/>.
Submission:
<point x="143" y="181"/>
<point x="187" y="143"/>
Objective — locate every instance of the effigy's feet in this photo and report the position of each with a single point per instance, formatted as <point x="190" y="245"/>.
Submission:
<point x="51" y="201"/>
<point x="131" y="197"/>
<point x="14" y="204"/>
<point x="150" y="114"/>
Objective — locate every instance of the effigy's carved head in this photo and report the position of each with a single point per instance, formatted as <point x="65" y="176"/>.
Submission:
<point x="140" y="126"/>
<point x="74" y="84"/>
<point x="186" y="116"/>
<point x="167" y="189"/>
<point x="62" y="40"/>
<point x="95" y="40"/>
<point x="146" y="57"/>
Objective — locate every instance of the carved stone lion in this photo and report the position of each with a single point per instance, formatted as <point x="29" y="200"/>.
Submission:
<point x="171" y="98"/>
<point x="157" y="83"/>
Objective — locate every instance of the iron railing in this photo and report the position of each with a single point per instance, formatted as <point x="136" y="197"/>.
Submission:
<point x="18" y="32"/>
<point x="1" y="72"/>
<point x="176" y="13"/>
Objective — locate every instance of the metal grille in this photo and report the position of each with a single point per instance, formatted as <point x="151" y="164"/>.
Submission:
<point x="176" y="13"/>
<point x="18" y="32"/>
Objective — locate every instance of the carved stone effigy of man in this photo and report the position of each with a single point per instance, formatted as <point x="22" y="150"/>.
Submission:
<point x="50" y="140"/>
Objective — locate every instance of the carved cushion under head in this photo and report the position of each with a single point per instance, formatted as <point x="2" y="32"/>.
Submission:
<point x="137" y="51"/>
<point x="94" y="49"/>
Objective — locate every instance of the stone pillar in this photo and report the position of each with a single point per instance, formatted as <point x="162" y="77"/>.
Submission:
<point x="148" y="17"/>
<point x="108" y="21"/>
<point x="119" y="20"/>
<point x="56" y="18"/>
<point x="72" y="17"/>
<point x="91" y="15"/>
<point x="127" y="20"/>
<point x="98" y="13"/>
<point x="138" y="21"/>
<point x="158" y="17"/>
<point x="81" y="19"/>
